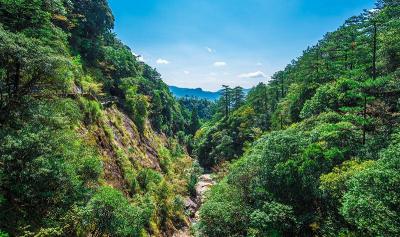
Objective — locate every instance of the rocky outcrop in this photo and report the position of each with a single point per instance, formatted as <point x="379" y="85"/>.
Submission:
<point x="128" y="156"/>
<point x="193" y="205"/>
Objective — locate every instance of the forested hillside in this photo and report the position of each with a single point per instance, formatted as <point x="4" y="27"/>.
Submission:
<point x="316" y="150"/>
<point x="93" y="143"/>
<point x="91" y="139"/>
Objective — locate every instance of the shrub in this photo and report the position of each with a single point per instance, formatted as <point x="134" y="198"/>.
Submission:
<point x="108" y="212"/>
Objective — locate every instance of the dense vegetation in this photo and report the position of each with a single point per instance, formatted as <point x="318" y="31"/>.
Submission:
<point x="204" y="109"/>
<point x="326" y="152"/>
<point x="235" y="124"/>
<point x="71" y="162"/>
<point x="93" y="143"/>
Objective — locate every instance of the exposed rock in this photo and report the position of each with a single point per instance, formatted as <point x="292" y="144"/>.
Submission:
<point x="204" y="184"/>
<point x="192" y="206"/>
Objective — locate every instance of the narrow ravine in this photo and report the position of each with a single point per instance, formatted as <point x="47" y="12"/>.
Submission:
<point x="203" y="185"/>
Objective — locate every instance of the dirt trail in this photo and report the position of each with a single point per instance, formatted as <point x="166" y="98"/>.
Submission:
<point x="203" y="185"/>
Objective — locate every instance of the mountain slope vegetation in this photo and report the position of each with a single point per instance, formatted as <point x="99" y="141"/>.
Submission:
<point x="93" y="142"/>
<point x="316" y="150"/>
<point x="88" y="134"/>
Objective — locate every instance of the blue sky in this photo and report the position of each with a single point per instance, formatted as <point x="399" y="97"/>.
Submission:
<point x="208" y="43"/>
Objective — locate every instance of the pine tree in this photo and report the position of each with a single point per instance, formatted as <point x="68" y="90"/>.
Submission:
<point x="237" y="97"/>
<point x="226" y="99"/>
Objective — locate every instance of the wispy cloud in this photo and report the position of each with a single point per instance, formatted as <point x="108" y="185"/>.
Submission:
<point x="257" y="74"/>
<point x="140" y="58"/>
<point x="210" y="50"/>
<point x="186" y="72"/>
<point x="162" y="61"/>
<point x="220" y="64"/>
<point x="373" y="10"/>
<point x="259" y="64"/>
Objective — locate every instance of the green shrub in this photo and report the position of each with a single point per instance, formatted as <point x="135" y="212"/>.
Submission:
<point x="273" y="219"/>
<point x="224" y="213"/>
<point x="193" y="178"/>
<point x="372" y="199"/>
<point x="108" y="212"/>
<point x="3" y="234"/>
<point x="45" y="168"/>
<point x="148" y="179"/>
<point x="137" y="104"/>
<point x="91" y="109"/>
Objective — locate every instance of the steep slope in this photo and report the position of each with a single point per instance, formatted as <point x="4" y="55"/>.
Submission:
<point x="88" y="134"/>
<point x="143" y="164"/>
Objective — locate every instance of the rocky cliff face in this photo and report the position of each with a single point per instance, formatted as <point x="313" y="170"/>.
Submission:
<point x="143" y="165"/>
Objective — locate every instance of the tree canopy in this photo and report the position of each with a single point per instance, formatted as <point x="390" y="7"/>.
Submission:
<point x="324" y="141"/>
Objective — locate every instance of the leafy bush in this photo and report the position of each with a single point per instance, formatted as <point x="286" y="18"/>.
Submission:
<point x="108" y="212"/>
<point x="45" y="167"/>
<point x="270" y="181"/>
<point x="149" y="179"/>
<point x="225" y="213"/>
<point x="91" y="110"/>
<point x="273" y="219"/>
<point x="371" y="201"/>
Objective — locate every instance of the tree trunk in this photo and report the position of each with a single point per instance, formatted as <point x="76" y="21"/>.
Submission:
<point x="17" y="77"/>
<point x="365" y="120"/>
<point x="374" y="52"/>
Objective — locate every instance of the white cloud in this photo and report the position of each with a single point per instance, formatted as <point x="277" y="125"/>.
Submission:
<point x="213" y="74"/>
<point x="186" y="72"/>
<point x="373" y="10"/>
<point x="220" y="64"/>
<point x="259" y="64"/>
<point x="140" y="58"/>
<point x="257" y="74"/>
<point x="210" y="50"/>
<point x="162" y="61"/>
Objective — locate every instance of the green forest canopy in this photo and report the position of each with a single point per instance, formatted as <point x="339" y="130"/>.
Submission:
<point x="314" y="152"/>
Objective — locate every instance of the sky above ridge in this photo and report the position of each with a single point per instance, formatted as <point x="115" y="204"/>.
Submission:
<point x="209" y="43"/>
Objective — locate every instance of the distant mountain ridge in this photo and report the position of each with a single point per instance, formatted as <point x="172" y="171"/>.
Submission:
<point x="197" y="92"/>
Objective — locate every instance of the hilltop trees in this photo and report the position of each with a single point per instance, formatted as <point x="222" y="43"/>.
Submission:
<point x="205" y="108"/>
<point x="237" y="97"/>
<point x="91" y="20"/>
<point x="231" y="99"/>
<point x="226" y="100"/>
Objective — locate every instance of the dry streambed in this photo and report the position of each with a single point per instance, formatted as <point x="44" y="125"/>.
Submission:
<point x="193" y="205"/>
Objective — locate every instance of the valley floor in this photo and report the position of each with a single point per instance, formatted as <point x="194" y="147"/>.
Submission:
<point x="204" y="184"/>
